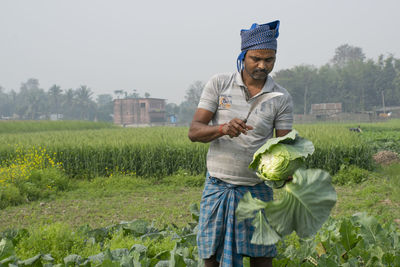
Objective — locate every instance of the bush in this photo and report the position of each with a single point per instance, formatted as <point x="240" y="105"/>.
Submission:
<point x="41" y="184"/>
<point x="350" y="175"/>
<point x="58" y="239"/>
<point x="10" y="195"/>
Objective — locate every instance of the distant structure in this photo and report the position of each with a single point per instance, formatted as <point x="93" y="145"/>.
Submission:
<point x="139" y="111"/>
<point x="387" y="112"/>
<point x="326" y="110"/>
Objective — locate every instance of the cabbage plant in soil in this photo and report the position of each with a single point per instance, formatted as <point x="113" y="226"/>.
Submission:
<point x="308" y="196"/>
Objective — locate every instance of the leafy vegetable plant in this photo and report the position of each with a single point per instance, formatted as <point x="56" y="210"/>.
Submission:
<point x="280" y="157"/>
<point x="308" y="198"/>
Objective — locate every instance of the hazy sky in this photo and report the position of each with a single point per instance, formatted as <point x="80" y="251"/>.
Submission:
<point x="161" y="47"/>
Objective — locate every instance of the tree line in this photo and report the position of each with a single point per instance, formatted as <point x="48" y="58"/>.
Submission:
<point x="33" y="103"/>
<point x="349" y="78"/>
<point x="358" y="83"/>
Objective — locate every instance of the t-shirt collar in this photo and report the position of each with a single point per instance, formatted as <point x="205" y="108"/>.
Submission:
<point x="268" y="86"/>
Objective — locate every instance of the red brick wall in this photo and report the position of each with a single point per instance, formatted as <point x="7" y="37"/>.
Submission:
<point x="138" y="111"/>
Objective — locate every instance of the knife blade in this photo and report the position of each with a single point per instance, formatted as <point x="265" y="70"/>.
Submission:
<point x="260" y="99"/>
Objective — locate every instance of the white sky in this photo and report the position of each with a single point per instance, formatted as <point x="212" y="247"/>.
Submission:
<point x="161" y="47"/>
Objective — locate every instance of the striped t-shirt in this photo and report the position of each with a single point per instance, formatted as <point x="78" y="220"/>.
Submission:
<point x="227" y="97"/>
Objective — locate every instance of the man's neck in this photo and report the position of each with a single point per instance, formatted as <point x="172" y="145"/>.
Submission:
<point x="254" y="86"/>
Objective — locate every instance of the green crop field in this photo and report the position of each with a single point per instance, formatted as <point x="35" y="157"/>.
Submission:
<point x="159" y="151"/>
<point x="41" y="126"/>
<point x="93" y="192"/>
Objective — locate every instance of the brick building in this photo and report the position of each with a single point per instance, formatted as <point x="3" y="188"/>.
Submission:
<point x="325" y="110"/>
<point x="139" y="111"/>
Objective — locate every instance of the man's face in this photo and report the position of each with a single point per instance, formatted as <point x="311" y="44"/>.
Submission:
<point x="259" y="63"/>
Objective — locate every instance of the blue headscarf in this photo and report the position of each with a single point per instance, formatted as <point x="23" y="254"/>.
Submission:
<point x="258" y="37"/>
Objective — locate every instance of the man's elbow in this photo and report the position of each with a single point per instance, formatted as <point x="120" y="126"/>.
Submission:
<point x="192" y="135"/>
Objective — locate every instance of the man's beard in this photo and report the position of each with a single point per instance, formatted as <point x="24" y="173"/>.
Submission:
<point x="258" y="74"/>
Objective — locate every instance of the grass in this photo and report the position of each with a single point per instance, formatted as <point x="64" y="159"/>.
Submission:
<point x="46" y="125"/>
<point x="379" y="196"/>
<point x="105" y="201"/>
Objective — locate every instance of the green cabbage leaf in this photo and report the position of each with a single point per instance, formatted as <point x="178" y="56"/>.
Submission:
<point x="306" y="204"/>
<point x="307" y="199"/>
<point x="279" y="157"/>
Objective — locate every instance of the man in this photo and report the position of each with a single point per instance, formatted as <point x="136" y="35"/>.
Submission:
<point x="225" y="102"/>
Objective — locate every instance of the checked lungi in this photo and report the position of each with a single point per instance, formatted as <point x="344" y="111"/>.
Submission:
<point x="219" y="233"/>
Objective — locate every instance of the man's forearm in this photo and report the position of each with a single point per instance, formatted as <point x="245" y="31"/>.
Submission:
<point x="200" y="132"/>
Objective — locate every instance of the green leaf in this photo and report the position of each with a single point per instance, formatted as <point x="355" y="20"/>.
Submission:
<point x="194" y="210"/>
<point x="98" y="258"/>
<point x="263" y="233"/>
<point x="176" y="260"/>
<point x="349" y="235"/>
<point x="163" y="263"/>
<point x="275" y="184"/>
<point x="72" y="260"/>
<point x="297" y="146"/>
<point x="136" y="227"/>
<point x="12" y="260"/>
<point x="301" y="147"/>
<point x="34" y="261"/>
<point x="117" y="254"/>
<point x="353" y="262"/>
<point x="47" y="257"/>
<point x="306" y="204"/>
<point x="141" y="249"/>
<point x="248" y="206"/>
<point x="371" y="231"/>
<point x="326" y="261"/>
<point x="126" y="261"/>
<point x="6" y="248"/>
<point x="164" y="255"/>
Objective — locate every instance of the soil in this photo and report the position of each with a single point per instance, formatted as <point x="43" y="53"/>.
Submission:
<point x="386" y="157"/>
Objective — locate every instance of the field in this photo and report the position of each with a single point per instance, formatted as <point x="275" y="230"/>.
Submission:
<point x="56" y="180"/>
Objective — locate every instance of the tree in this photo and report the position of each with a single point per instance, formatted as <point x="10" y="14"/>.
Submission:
<point x="5" y="104"/>
<point x="30" y="84"/>
<point x="55" y="95"/>
<point x="134" y="94"/>
<point x="36" y="107"/>
<point x="346" y="53"/>
<point x="172" y="109"/>
<point x="146" y="95"/>
<point x="299" y="82"/>
<point x="105" y="107"/>
<point x="192" y="98"/>
<point x="84" y="102"/>
<point x="119" y="93"/>
<point x="193" y="93"/>
<point x="104" y="99"/>
<point x="68" y="104"/>
<point x="31" y="102"/>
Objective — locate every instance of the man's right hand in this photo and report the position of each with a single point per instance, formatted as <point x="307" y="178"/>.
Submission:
<point x="235" y="127"/>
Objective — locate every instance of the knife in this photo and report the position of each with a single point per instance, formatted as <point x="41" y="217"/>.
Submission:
<point x="259" y="99"/>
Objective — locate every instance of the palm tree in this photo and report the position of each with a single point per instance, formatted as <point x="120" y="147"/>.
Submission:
<point x="55" y="93"/>
<point x="84" y="101"/>
<point x="69" y="103"/>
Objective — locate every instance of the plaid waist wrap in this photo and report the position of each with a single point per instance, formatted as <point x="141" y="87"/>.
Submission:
<point x="219" y="233"/>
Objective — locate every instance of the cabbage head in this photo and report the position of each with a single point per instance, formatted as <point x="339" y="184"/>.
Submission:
<point x="280" y="157"/>
<point x="276" y="164"/>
